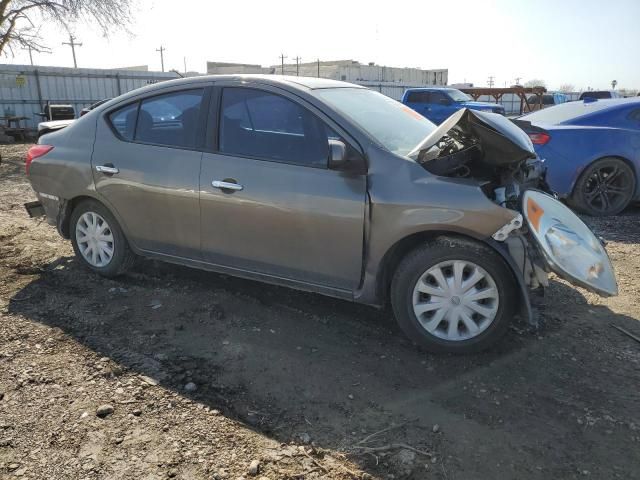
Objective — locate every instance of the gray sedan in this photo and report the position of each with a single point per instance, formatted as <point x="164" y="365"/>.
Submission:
<point x="322" y="186"/>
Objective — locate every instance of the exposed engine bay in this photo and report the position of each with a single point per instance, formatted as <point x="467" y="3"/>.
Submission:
<point x="488" y="148"/>
<point x="466" y="146"/>
<point x="543" y="235"/>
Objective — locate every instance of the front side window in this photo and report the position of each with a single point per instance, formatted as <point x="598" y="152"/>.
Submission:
<point x="170" y="119"/>
<point x="439" y="98"/>
<point x="260" y="124"/>
<point x="458" y="96"/>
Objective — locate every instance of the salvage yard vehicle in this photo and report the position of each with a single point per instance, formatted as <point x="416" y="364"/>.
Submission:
<point x="547" y="100"/>
<point x="322" y="186"/>
<point x="439" y="103"/>
<point x="53" y="125"/>
<point x="592" y="152"/>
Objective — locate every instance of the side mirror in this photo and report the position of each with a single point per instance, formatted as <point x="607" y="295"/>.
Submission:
<point x="337" y="154"/>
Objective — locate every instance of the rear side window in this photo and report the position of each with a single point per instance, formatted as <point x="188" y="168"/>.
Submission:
<point x="635" y="115"/>
<point x="260" y="124"/>
<point x="124" y="120"/>
<point x="170" y="119"/>
<point x="418" y="97"/>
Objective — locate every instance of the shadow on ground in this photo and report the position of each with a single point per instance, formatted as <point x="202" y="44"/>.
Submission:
<point x="293" y="364"/>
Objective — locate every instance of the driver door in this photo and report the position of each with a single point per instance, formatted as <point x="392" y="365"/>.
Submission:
<point x="269" y="202"/>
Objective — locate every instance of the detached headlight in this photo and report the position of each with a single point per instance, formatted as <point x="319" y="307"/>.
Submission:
<point x="570" y="247"/>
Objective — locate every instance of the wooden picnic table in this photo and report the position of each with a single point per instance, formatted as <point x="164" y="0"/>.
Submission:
<point x="9" y="119"/>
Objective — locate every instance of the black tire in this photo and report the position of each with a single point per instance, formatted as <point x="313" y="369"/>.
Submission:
<point x="123" y="258"/>
<point x="444" y="249"/>
<point x="606" y="187"/>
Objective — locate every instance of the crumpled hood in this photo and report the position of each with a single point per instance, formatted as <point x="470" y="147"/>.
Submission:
<point x="497" y="135"/>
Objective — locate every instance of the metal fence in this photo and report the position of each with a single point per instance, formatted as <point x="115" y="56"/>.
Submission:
<point x="25" y="89"/>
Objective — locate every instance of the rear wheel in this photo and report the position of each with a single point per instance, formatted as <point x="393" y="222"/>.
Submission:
<point x="606" y="187"/>
<point x="453" y="295"/>
<point x="98" y="240"/>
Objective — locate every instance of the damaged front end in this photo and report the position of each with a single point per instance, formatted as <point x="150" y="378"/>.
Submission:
<point x="544" y="235"/>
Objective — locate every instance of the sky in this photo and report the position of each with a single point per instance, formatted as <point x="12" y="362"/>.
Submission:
<point x="585" y="43"/>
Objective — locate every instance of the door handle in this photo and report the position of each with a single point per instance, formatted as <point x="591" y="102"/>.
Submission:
<point x="108" y="169"/>
<point x="224" y="185"/>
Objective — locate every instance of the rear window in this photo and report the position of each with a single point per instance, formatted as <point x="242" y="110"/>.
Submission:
<point x="595" y="95"/>
<point x="546" y="100"/>
<point x="418" y="97"/>
<point x="565" y="112"/>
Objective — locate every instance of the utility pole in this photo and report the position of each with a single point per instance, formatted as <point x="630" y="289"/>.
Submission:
<point x="297" y="59"/>
<point x="161" y="50"/>
<point x="30" y="54"/>
<point x="184" y="59"/>
<point x="72" y="43"/>
<point x="318" y="68"/>
<point x="491" y="81"/>
<point x="282" y="57"/>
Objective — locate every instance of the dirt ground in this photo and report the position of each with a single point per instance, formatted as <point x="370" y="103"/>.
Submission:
<point x="207" y="373"/>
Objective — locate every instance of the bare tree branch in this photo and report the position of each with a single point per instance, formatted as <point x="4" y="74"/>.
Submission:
<point x="18" y="18"/>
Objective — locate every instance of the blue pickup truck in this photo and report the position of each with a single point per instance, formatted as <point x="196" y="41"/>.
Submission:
<point x="438" y="104"/>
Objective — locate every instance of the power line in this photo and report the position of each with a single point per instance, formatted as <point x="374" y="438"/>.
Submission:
<point x="72" y="43"/>
<point x="161" y="50"/>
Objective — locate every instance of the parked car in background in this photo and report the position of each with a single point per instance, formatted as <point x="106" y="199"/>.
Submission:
<point x="599" y="94"/>
<point x="322" y="186"/>
<point x="592" y="152"/>
<point x="438" y="104"/>
<point x="548" y="100"/>
<point x="53" y="125"/>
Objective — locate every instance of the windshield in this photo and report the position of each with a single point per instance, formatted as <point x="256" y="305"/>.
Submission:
<point x="598" y="95"/>
<point x="458" y="96"/>
<point x="565" y="112"/>
<point x="397" y="127"/>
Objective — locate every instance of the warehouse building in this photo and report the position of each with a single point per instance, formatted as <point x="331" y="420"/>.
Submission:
<point x="224" y="68"/>
<point x="356" y="72"/>
<point x="391" y="81"/>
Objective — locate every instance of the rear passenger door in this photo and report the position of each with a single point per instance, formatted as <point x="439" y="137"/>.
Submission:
<point x="146" y="167"/>
<point x="269" y="202"/>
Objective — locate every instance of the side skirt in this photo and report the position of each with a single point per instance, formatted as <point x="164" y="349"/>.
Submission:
<point x="250" y="275"/>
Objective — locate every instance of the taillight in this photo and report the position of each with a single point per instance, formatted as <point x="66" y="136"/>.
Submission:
<point x="35" y="152"/>
<point x="539" y="138"/>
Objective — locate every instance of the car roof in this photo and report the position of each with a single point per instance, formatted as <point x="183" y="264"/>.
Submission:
<point x="306" y="83"/>
<point x="570" y="111"/>
<point x="426" y="89"/>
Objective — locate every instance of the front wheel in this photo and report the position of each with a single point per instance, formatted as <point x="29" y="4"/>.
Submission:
<point x="453" y="295"/>
<point x="98" y="240"/>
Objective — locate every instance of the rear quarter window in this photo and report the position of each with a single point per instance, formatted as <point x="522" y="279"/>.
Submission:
<point x="123" y="121"/>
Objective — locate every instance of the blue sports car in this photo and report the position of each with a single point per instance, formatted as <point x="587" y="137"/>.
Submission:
<point x="592" y="152"/>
